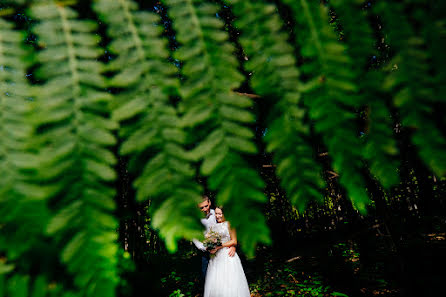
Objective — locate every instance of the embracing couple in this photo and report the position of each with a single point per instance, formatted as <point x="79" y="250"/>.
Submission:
<point x="222" y="270"/>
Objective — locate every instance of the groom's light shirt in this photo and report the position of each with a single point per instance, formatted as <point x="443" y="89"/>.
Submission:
<point x="207" y="222"/>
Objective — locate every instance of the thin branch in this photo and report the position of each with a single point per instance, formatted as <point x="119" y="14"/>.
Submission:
<point x="333" y="174"/>
<point x="253" y="96"/>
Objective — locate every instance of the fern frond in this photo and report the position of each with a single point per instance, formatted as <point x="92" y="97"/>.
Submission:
<point x="274" y="75"/>
<point x="23" y="202"/>
<point x="151" y="133"/>
<point x="23" y="212"/>
<point x="380" y="145"/>
<point x="75" y="160"/>
<point x="409" y="78"/>
<point x="434" y="32"/>
<point x="213" y="110"/>
<point x="9" y="7"/>
<point x="331" y="94"/>
<point x="357" y="31"/>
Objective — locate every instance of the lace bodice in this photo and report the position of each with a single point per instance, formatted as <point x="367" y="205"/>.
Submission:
<point x="223" y="230"/>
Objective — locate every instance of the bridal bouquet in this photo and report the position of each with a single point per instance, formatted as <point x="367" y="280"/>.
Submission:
<point x="211" y="240"/>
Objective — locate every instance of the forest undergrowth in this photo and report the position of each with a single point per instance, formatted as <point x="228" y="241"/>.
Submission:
<point x="323" y="269"/>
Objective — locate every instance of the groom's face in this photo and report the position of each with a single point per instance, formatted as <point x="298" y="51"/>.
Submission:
<point x="205" y="206"/>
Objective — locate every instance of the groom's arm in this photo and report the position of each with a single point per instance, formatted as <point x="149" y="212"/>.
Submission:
<point x="207" y="223"/>
<point x="199" y="245"/>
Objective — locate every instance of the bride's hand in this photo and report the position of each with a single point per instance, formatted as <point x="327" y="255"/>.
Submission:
<point x="216" y="249"/>
<point x="231" y="252"/>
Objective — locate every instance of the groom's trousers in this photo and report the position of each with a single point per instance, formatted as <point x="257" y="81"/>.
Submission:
<point x="204" y="265"/>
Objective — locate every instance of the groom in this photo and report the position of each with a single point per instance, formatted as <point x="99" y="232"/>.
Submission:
<point x="208" y="221"/>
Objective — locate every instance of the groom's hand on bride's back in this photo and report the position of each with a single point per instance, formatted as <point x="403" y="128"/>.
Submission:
<point x="231" y="252"/>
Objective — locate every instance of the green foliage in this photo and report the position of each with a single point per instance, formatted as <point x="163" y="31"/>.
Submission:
<point x="177" y="293"/>
<point x="23" y="211"/>
<point x="211" y="108"/>
<point x="174" y="280"/>
<point x="348" y="251"/>
<point x="21" y="200"/>
<point x="288" y="280"/>
<point x="410" y="81"/>
<point x="179" y="122"/>
<point x="331" y="94"/>
<point x="380" y="146"/>
<point x="150" y="129"/>
<point x="74" y="134"/>
<point x="434" y="33"/>
<point x="275" y="77"/>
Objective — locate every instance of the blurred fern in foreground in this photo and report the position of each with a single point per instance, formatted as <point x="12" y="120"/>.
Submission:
<point x="380" y="149"/>
<point x="275" y="76"/>
<point x="331" y="94"/>
<point x="211" y="108"/>
<point x="74" y="134"/>
<point x="413" y="87"/>
<point x="150" y="125"/>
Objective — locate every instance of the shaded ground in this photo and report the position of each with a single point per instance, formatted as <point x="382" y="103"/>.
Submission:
<point x="315" y="267"/>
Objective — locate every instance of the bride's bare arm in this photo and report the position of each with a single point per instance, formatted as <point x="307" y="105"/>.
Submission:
<point x="233" y="241"/>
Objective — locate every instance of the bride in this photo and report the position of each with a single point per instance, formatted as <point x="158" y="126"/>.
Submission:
<point x="225" y="276"/>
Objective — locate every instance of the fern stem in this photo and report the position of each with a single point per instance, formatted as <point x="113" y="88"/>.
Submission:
<point x="132" y="28"/>
<point x="331" y="93"/>
<point x="206" y="55"/>
<point x="71" y="53"/>
<point x="314" y="31"/>
<point x="72" y="62"/>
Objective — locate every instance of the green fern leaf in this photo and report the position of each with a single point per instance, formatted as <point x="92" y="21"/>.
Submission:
<point x="151" y="124"/>
<point x="276" y="76"/>
<point x="380" y="147"/>
<point x="71" y="131"/>
<point x="18" y="286"/>
<point x="211" y="72"/>
<point x="23" y="211"/>
<point x="333" y="94"/>
<point x="5" y="268"/>
<point x="434" y="32"/>
<point x="413" y="86"/>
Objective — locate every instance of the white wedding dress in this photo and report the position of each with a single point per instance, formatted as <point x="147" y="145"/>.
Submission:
<point x="225" y="276"/>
